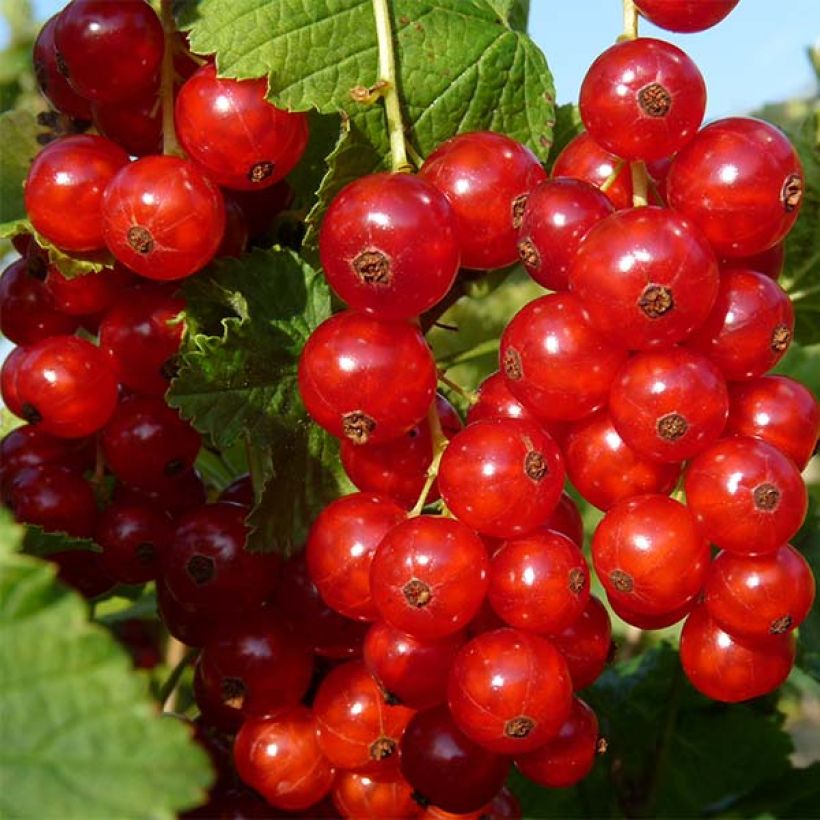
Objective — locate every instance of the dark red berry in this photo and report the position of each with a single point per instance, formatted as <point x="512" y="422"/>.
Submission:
<point x="133" y="123"/>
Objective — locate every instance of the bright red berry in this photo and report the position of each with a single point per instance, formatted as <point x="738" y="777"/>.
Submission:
<point x="644" y="621"/>
<point x="586" y="643"/>
<point x="163" y="218"/>
<point x="366" y="379"/>
<point x="566" y="519"/>
<point x="133" y="123"/>
<point x="9" y="375"/>
<point x="769" y="262"/>
<point x="495" y="401"/>
<point x="685" y="15"/>
<point x="85" y="295"/>
<point x="487" y="178"/>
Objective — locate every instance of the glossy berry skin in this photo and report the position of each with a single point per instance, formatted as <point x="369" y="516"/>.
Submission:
<point x="750" y="327"/>
<point x="445" y="767"/>
<point x="558" y="215"/>
<point x="642" y="99"/>
<point x="487" y="178"/>
<point x="495" y="401"/>
<point x="649" y="554"/>
<point x="569" y="757"/>
<point x="641" y="620"/>
<point x="411" y="671"/>
<point x="324" y="630"/>
<point x="502" y="478"/>
<point x="510" y="691"/>
<point x="747" y="497"/>
<point x="163" y="218"/>
<point x="357" y="795"/>
<point x="755" y="597"/>
<point x="64" y="190"/>
<point x="190" y="625"/>
<point x="685" y="15"/>
<point x="135" y="124"/>
<point x="566" y="519"/>
<point x="741" y="182"/>
<point x="357" y="728"/>
<point x="26" y="447"/>
<point x="365" y="379"/>
<point x="429" y="576"/>
<point x="398" y="468"/>
<point x="586" y="643"/>
<point x="388" y="245"/>
<point x="769" y="262"/>
<point x="646" y="278"/>
<point x="28" y="312"/>
<point x="134" y="538"/>
<point x="605" y="470"/>
<point x="92" y="293"/>
<point x="109" y="51"/>
<point x="539" y="582"/>
<point x="669" y="405"/>
<point x="9" y="375"/>
<point x="66" y="387"/>
<point x="280" y="758"/>
<point x="52" y="83"/>
<point x="234" y="134"/>
<point x="54" y="498"/>
<point x="208" y="567"/>
<point x="730" y="669"/>
<point x="779" y="411"/>
<point x="146" y="442"/>
<point x="141" y="335"/>
<point x="582" y="158"/>
<point x="554" y="362"/>
<point x="340" y="549"/>
<point x="257" y="665"/>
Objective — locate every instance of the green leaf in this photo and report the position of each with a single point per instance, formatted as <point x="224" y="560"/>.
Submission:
<point x="80" y="737"/>
<point x="567" y="125"/>
<point x="11" y="533"/>
<point x="41" y="543"/>
<point x="18" y="136"/>
<point x="808" y="636"/>
<point x="237" y="382"/>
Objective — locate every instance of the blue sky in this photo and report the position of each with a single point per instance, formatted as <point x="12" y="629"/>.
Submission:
<point x="756" y="55"/>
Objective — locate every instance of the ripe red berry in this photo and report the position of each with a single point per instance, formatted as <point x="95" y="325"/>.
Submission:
<point x="645" y="278"/>
<point x="82" y="569"/>
<point x="366" y="379"/>
<point x="28" y="311"/>
<point x="340" y="549"/>
<point x="357" y="795"/>
<point x="388" y="245"/>
<point x="176" y="495"/>
<point x="669" y="405"/>
<point x="487" y="178"/>
<point x="446" y="768"/>
<point x="566" y="519"/>
<point x="582" y="158"/>
<point x="134" y="538"/>
<point x="777" y="410"/>
<point x="133" y="123"/>
<point x="9" y="374"/>
<point x="190" y="625"/>
<point x="685" y="15"/>
<point x="509" y="691"/>
<point x="569" y="757"/>
<point x="502" y="478"/>
<point x="52" y="83"/>
<point x="555" y="362"/>
<point x="109" y="51"/>
<point x="730" y="669"/>
<point x="747" y="497"/>
<point x="54" y="498"/>
<point x="257" y="665"/>
<point x="234" y="134"/>
<point x="641" y="620"/>
<point x="495" y="401"/>
<point x="66" y="387"/>
<point x="649" y="554"/>
<point x="411" y="671"/>
<point x="539" y="582"/>
<point x="642" y="99"/>
<point x="770" y="262"/>
<point x="146" y="442"/>
<point x="750" y="176"/>
<point x="208" y="566"/>
<point x="756" y="596"/>
<point x="357" y="728"/>
<point x="85" y="295"/>
<point x="605" y="470"/>
<point x="750" y="327"/>
<point x="398" y="468"/>
<point x="558" y="215"/>
<point x="163" y="218"/>
<point x="64" y="190"/>
<point x="429" y="576"/>
<point x="280" y="757"/>
<point x="586" y="644"/>
<point x="141" y="335"/>
<point x="239" y="491"/>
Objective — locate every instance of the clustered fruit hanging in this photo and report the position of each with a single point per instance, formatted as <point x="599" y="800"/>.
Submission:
<point x="438" y="626"/>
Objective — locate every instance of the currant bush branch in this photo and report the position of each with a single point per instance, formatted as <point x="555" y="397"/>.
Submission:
<point x="166" y="89"/>
<point x="640" y="184"/>
<point x="630" y="31"/>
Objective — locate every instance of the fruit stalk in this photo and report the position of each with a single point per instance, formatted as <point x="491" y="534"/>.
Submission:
<point x="630" y="21"/>
<point x="170" y="146"/>
<point x="439" y="442"/>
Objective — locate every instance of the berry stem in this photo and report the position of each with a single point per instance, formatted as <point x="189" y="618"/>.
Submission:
<point x="630" y="21"/>
<point x="439" y="441"/>
<point x="610" y="180"/>
<point x="470" y="395"/>
<point x="177" y="656"/>
<point x="170" y="146"/>
<point x="468" y="355"/>
<point x="387" y="78"/>
<point x="640" y="184"/>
